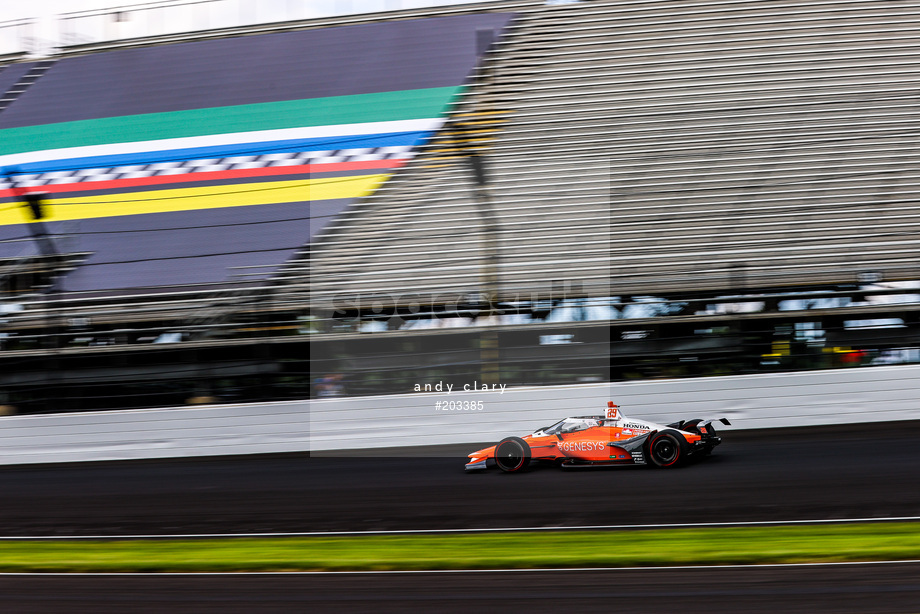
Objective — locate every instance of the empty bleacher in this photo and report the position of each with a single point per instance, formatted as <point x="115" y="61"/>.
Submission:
<point x="638" y="147"/>
<point x="655" y="147"/>
<point x="179" y="164"/>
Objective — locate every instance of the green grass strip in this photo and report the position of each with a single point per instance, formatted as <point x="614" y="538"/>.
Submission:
<point x="332" y="110"/>
<point x="746" y="545"/>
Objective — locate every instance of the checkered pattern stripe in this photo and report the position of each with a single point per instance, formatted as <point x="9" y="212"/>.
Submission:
<point x="214" y="164"/>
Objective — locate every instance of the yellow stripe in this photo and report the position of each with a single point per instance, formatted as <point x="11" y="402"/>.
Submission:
<point x="189" y="199"/>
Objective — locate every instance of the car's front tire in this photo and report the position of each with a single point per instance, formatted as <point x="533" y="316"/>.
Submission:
<point x="667" y="449"/>
<point x="512" y="454"/>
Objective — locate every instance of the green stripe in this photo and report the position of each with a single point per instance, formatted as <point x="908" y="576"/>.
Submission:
<point x="359" y="108"/>
<point x="709" y="546"/>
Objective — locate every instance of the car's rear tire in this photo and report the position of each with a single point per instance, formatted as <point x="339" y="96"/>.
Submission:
<point x="667" y="449"/>
<point x="512" y="454"/>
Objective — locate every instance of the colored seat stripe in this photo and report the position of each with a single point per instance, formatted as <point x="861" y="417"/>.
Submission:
<point x="308" y="170"/>
<point x="209" y="197"/>
<point x="216" y="140"/>
<point x="403" y="139"/>
<point x="359" y="108"/>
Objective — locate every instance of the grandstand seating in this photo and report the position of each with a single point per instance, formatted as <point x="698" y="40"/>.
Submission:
<point x="645" y="147"/>
<point x="634" y="152"/>
<point x="656" y="147"/>
<point x="178" y="164"/>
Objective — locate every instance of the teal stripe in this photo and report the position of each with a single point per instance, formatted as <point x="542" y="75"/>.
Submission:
<point x="359" y="108"/>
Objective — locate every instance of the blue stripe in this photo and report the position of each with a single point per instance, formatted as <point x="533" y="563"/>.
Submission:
<point x="392" y="139"/>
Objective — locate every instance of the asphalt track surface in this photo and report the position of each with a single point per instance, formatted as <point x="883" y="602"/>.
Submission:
<point x="789" y="474"/>
<point x="843" y="590"/>
<point x="794" y="474"/>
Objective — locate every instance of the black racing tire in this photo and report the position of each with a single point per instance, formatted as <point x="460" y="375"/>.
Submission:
<point x="512" y="454"/>
<point x="667" y="449"/>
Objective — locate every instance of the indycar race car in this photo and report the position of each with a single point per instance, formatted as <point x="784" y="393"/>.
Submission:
<point x="612" y="439"/>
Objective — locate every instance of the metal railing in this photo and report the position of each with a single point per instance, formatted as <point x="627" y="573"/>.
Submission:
<point x="177" y="16"/>
<point x="17" y="37"/>
<point x="42" y="36"/>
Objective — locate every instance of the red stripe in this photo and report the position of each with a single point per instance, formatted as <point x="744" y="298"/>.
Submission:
<point x="268" y="171"/>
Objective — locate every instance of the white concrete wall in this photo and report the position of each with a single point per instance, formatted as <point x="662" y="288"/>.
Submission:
<point x="154" y="433"/>
<point x="749" y="401"/>
<point x="752" y="401"/>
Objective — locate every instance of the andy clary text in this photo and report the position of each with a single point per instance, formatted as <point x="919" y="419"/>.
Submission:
<point x="449" y="388"/>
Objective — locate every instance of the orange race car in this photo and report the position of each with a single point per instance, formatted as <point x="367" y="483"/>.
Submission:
<point x="612" y="439"/>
